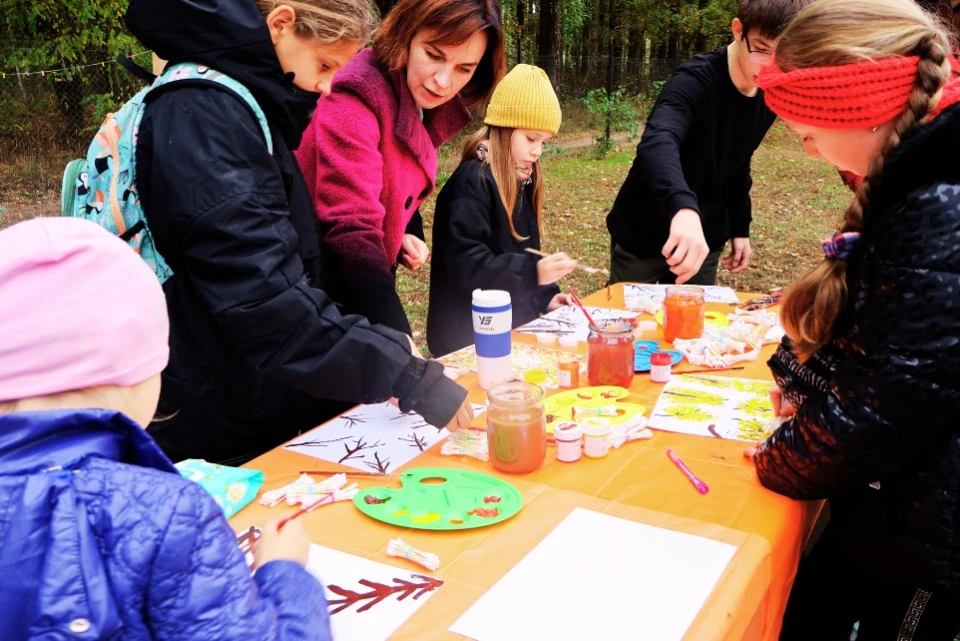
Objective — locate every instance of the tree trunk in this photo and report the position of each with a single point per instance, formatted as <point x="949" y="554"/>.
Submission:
<point x="548" y="38"/>
<point x="673" y="51"/>
<point x="69" y="94"/>
<point x="521" y="12"/>
<point x="636" y="53"/>
<point x="700" y="43"/>
<point x="611" y="35"/>
<point x="585" y="50"/>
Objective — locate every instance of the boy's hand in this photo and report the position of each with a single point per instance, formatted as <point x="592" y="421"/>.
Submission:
<point x="413" y="252"/>
<point x="554" y="267"/>
<point x="463" y="417"/>
<point x="558" y="301"/>
<point x="289" y="544"/>
<point x="739" y="257"/>
<point x="686" y="249"/>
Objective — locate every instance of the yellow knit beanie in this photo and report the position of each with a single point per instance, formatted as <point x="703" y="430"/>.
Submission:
<point x="525" y="99"/>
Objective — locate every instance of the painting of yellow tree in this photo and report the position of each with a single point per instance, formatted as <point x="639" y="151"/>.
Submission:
<point x="715" y="407"/>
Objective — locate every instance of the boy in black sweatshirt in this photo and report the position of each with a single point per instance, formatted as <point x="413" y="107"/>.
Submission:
<point x="688" y="191"/>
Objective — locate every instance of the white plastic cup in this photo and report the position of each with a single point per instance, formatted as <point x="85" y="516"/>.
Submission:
<point x="492" y="324"/>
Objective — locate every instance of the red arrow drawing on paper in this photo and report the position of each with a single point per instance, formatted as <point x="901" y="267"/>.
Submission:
<point x="378" y="592"/>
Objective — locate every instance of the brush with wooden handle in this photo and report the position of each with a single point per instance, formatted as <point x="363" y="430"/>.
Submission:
<point x="589" y="270"/>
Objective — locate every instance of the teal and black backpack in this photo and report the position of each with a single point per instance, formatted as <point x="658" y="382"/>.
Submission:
<point x="103" y="187"/>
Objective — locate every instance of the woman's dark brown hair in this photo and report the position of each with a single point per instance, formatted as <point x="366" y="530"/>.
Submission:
<point x="452" y="22"/>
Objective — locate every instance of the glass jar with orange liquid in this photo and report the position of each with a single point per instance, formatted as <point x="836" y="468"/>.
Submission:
<point x="610" y="355"/>
<point x="516" y="427"/>
<point x="683" y="311"/>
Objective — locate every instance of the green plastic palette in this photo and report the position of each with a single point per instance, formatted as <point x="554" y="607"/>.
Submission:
<point x="441" y="498"/>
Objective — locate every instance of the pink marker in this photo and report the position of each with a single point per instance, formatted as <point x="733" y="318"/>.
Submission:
<point x="697" y="483"/>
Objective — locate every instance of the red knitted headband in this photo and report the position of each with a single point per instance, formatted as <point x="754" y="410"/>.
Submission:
<point x="853" y="96"/>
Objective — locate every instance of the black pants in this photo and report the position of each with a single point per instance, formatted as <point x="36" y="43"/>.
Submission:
<point x="832" y="593"/>
<point x="627" y="268"/>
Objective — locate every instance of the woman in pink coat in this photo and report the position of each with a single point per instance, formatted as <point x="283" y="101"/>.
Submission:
<point x="370" y="153"/>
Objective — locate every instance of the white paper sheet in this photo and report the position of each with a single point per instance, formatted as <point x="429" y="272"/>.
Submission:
<point x="597" y="576"/>
<point x="377" y="438"/>
<point x="374" y="609"/>
<point x="642" y="296"/>
<point x="570" y="321"/>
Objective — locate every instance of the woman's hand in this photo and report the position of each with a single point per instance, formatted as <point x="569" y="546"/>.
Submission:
<point x="413" y="252"/>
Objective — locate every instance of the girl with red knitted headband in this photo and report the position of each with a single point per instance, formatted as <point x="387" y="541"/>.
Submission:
<point x="872" y="362"/>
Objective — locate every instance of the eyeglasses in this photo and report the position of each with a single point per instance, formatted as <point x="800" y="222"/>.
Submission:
<point x="758" y="56"/>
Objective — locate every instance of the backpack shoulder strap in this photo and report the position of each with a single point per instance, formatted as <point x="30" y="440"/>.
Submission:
<point x="186" y="74"/>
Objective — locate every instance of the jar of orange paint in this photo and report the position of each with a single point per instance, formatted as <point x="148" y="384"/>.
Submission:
<point x="683" y="312"/>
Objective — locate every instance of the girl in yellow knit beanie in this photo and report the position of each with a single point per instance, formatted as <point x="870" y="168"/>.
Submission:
<point x="476" y="242"/>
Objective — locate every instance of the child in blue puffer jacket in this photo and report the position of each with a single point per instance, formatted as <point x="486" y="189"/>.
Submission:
<point x="100" y="536"/>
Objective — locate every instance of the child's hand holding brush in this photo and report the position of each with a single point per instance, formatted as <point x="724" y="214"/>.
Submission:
<point x="557" y="259"/>
<point x="552" y="268"/>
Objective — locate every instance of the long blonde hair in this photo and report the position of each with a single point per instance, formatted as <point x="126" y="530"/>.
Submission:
<point x="330" y="21"/>
<point x="504" y="170"/>
<point x="828" y="33"/>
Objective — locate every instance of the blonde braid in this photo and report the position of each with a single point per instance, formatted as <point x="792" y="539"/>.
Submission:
<point x="812" y="305"/>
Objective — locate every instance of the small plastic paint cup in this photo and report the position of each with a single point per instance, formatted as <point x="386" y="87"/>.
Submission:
<point x="546" y="339"/>
<point x="569" y="341"/>
<point x="660" y="364"/>
<point x="646" y="327"/>
<point x="568" y="437"/>
<point x="535" y="377"/>
<point x="596" y="437"/>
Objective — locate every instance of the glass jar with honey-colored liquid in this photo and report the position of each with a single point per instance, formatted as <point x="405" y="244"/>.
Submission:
<point x="516" y="427"/>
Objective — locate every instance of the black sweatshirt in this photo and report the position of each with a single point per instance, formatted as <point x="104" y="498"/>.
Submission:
<point x="474" y="249"/>
<point x="695" y="154"/>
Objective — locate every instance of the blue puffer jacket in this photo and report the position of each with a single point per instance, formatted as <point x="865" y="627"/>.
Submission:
<point x="101" y="538"/>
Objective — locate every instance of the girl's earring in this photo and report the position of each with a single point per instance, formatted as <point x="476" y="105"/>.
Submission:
<point x="876" y="128"/>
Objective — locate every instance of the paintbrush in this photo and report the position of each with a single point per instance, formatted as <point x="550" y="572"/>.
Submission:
<point x="579" y="303"/>
<point x="343" y="494"/>
<point x="710" y="371"/>
<point x="333" y="472"/>
<point x="589" y="270"/>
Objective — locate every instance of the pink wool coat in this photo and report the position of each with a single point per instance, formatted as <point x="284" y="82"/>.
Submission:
<point x="369" y="162"/>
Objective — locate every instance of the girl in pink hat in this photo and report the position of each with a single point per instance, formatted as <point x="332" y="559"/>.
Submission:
<point x="105" y="537"/>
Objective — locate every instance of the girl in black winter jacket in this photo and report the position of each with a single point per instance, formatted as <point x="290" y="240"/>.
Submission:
<point x="872" y="364"/>
<point x="476" y="245"/>
<point x="259" y="352"/>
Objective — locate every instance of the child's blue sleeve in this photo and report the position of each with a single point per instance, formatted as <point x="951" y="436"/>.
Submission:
<point x="200" y="586"/>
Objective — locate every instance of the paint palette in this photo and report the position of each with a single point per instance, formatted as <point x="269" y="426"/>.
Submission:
<point x="644" y="349"/>
<point x="558" y="408"/>
<point x="441" y="498"/>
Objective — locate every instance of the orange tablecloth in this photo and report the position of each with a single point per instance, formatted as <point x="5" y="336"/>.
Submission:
<point x="636" y="482"/>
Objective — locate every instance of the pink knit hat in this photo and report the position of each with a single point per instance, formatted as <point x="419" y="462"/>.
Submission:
<point x="78" y="309"/>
